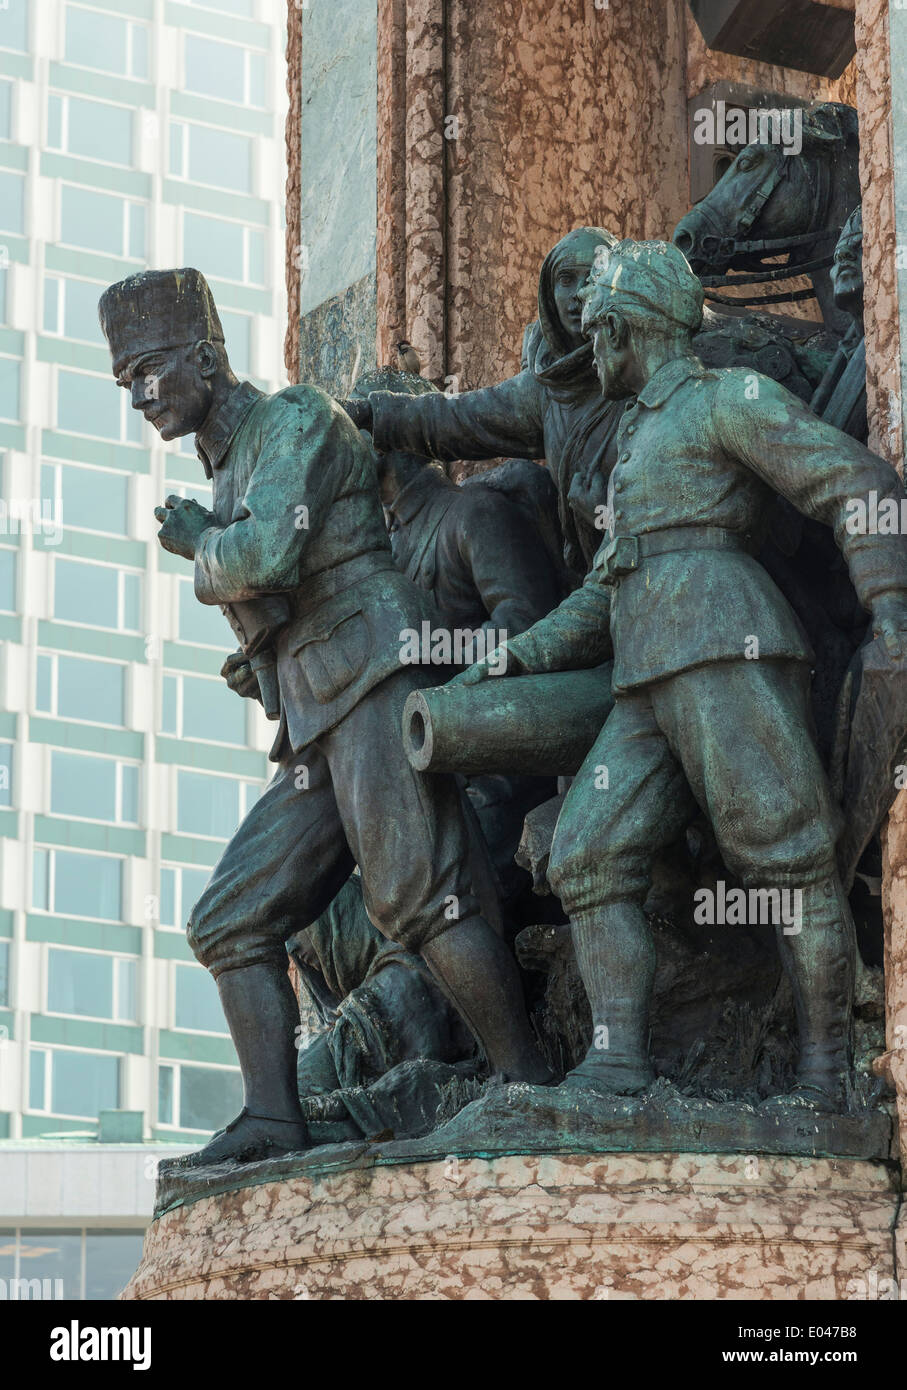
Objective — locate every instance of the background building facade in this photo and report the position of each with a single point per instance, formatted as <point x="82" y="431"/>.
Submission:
<point x="133" y="134"/>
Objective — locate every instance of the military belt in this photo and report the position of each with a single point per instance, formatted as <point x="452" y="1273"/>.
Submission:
<point x="624" y="554"/>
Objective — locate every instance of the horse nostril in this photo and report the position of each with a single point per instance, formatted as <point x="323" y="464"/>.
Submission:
<point x="683" y="241"/>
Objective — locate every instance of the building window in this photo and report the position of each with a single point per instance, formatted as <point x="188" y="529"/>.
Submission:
<point x="87" y="788"/>
<point x="7" y="580"/>
<point x="218" y="158"/>
<point x="197" y="708"/>
<point x="14" y="25"/>
<point x="106" y="43"/>
<point x="12" y="200"/>
<point x="94" y="405"/>
<point x="200" y="1098"/>
<point x="238" y="339"/>
<point x="202" y="624"/>
<point x="210" y="805"/>
<point x="71" y="309"/>
<point x="101" y="222"/>
<point x="87" y="984"/>
<point x="181" y="888"/>
<point x="225" y="71"/>
<point x="227" y="250"/>
<point x="77" y="885"/>
<point x="10" y="388"/>
<point x="78" y="687"/>
<point x="197" y="1006"/>
<point x="86" y="499"/>
<point x="6" y="110"/>
<point x="63" y="1081"/>
<point x="89" y="129"/>
<point x="90" y="1264"/>
<point x="6" y="774"/>
<point x="5" y="993"/>
<point x="99" y="595"/>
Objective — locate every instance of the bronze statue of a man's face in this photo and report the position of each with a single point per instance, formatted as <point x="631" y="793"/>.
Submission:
<point x="172" y="387"/>
<point x="847" y="270"/>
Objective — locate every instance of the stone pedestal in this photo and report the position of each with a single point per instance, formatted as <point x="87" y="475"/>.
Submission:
<point x="546" y="1226"/>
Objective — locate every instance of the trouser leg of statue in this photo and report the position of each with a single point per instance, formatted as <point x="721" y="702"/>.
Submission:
<point x="734" y="739"/>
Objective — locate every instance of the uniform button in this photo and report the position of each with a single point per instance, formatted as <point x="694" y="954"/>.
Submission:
<point x="631" y="429"/>
<point x="618" y="515"/>
<point x="618" y="485"/>
<point x="625" y="458"/>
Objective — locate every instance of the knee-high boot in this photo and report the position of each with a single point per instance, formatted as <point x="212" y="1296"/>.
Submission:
<point x="616" y="959"/>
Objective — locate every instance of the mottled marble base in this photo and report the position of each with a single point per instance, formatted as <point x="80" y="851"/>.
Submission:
<point x="568" y="1226"/>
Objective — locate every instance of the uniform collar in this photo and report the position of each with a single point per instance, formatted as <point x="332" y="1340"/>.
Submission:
<point x="216" y="435"/>
<point x="667" y="379"/>
<point x="412" y="497"/>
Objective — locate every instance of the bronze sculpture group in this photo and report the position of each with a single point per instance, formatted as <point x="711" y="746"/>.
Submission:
<point x="679" y="653"/>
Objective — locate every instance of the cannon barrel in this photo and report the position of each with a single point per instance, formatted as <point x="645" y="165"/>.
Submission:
<point x="540" y="725"/>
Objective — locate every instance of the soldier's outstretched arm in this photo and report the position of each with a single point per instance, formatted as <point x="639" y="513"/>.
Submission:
<point x="574" y="636"/>
<point x="308" y="450"/>
<point x="827" y="475"/>
<point x="506" y="419"/>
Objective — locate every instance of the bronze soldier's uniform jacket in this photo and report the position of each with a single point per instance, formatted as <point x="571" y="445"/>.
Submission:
<point x="699" y="458"/>
<point x="474" y="551"/>
<point x="298" y="512"/>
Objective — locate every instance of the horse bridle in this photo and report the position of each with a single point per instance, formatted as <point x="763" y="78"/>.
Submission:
<point x="730" y="246"/>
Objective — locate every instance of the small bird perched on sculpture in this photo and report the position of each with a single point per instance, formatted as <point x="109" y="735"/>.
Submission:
<point x="408" y="358"/>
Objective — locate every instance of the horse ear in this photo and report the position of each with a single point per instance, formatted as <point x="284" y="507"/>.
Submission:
<point x="829" y="122"/>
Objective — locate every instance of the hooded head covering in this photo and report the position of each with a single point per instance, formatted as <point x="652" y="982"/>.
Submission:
<point x="548" y="349"/>
<point x="157" y="309"/>
<point x="653" y="274"/>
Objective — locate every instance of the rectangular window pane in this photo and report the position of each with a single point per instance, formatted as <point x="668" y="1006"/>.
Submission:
<point x="14" y="24"/>
<point x="83" y="1083"/>
<point x="215" y="69"/>
<point x="208" y="1098"/>
<point x="129" y="811"/>
<point x="137" y="231"/>
<point x="86" y="593"/>
<point x="8" y="581"/>
<point x="92" y="220"/>
<point x="95" y="501"/>
<point x="6" y="773"/>
<point x="55" y="1256"/>
<point x="88" y="885"/>
<point x="198" y="1005"/>
<point x="88" y="404"/>
<point x="257" y="80"/>
<point x="220" y="158"/>
<point x="201" y="622"/>
<point x="83" y="786"/>
<point x="256" y="257"/>
<point x="168" y="898"/>
<point x="169" y="705"/>
<point x="4" y="974"/>
<point x="100" y="131"/>
<point x="139" y="50"/>
<point x="40" y="895"/>
<point x="44" y="684"/>
<point x="37" y="1063"/>
<point x="218" y="246"/>
<point x="207" y="805"/>
<point x="95" y="40"/>
<point x="111" y="1259"/>
<point x="212" y="711"/>
<point x="12" y="200"/>
<point x="80" y="983"/>
<point x="81" y="312"/>
<point x="52" y="287"/>
<point x="165" y="1077"/>
<point x="127" y="992"/>
<point x="238" y="335"/>
<point x="94" y="690"/>
<point x="55" y="122"/>
<point x="6" y="110"/>
<point x="10" y="388"/>
<point x="132" y="602"/>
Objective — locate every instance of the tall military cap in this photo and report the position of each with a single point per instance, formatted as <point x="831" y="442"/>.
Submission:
<point x="158" y="309"/>
<point x="652" y="273"/>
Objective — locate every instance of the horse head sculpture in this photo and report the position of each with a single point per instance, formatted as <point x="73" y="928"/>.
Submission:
<point x="772" y="203"/>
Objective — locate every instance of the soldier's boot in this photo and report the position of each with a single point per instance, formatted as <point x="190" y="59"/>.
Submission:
<point x="820" y="960"/>
<point x="479" y="975"/>
<point x="616" y="959"/>
<point x="262" y="1015"/>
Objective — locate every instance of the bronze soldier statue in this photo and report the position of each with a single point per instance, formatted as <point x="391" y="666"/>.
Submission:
<point x="297" y="548"/>
<point x="552" y="409"/>
<point x="711" y="668"/>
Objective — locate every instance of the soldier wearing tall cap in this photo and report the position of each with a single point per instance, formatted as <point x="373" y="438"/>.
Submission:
<point x="297" y="515"/>
<point x="711" y="668"/>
